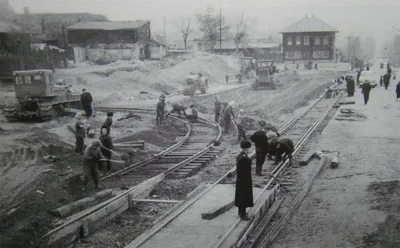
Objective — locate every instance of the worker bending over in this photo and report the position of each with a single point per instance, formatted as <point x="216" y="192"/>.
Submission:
<point x="91" y="160"/>
<point x="283" y="146"/>
<point x="177" y="108"/>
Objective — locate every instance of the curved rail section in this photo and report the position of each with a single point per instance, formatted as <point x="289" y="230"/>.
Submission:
<point x="268" y="195"/>
<point x="180" y="160"/>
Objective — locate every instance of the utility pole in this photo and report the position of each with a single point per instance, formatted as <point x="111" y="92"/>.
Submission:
<point x="65" y="46"/>
<point x="220" y="29"/>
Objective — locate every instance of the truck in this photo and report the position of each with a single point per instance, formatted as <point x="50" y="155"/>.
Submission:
<point x="195" y="82"/>
<point x="39" y="97"/>
<point x="264" y="75"/>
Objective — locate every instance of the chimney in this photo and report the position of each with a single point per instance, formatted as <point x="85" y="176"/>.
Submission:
<point x="26" y="10"/>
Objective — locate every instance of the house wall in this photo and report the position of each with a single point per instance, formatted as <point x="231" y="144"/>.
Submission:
<point x="86" y="37"/>
<point x="312" y="51"/>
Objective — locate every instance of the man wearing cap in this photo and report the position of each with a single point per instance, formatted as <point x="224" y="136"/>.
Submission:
<point x="108" y="122"/>
<point x="240" y="126"/>
<point x="91" y="160"/>
<point x="86" y="101"/>
<point x="260" y="139"/>
<point x="228" y="116"/>
<point x="386" y="80"/>
<point x="217" y="108"/>
<point x="351" y="86"/>
<point x="244" y="185"/>
<point x="160" y="110"/>
<point x="80" y="131"/>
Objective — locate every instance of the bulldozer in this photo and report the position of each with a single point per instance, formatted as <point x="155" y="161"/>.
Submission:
<point x="265" y="75"/>
<point x="39" y="97"/>
<point x="195" y="82"/>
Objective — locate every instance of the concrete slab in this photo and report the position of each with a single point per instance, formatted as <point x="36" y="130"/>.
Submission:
<point x="189" y="230"/>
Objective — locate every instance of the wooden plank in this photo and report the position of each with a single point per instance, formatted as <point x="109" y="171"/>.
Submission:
<point x="81" y="204"/>
<point x="347" y="103"/>
<point x="155" y="201"/>
<point x="217" y="211"/>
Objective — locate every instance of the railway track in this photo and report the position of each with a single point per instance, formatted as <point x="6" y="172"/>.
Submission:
<point x="192" y="152"/>
<point x="300" y="129"/>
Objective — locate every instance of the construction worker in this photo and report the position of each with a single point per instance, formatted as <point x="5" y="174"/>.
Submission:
<point x="91" y="161"/>
<point x="108" y="122"/>
<point x="366" y="89"/>
<point x="194" y="115"/>
<point x="177" y="108"/>
<point x="86" y="101"/>
<point x="228" y="116"/>
<point x="260" y="139"/>
<point x="244" y="186"/>
<point x="106" y="146"/>
<point x="272" y="137"/>
<point x="389" y="71"/>
<point x="240" y="126"/>
<point x="386" y="80"/>
<point x="283" y="146"/>
<point x="217" y="108"/>
<point x="80" y="133"/>
<point x="160" y="110"/>
<point x="397" y="91"/>
<point x="350" y="86"/>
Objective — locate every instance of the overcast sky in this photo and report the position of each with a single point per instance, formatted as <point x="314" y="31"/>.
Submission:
<point x="359" y="17"/>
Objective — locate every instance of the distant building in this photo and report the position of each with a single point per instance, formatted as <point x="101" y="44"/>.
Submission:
<point x="309" y="39"/>
<point x="10" y="50"/>
<point x="6" y="11"/>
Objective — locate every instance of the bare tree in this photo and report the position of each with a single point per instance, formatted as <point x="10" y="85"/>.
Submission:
<point x="241" y="32"/>
<point x="211" y="24"/>
<point x="186" y="30"/>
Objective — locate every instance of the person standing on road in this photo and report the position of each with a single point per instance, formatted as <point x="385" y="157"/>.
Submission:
<point x="386" y="80"/>
<point x="160" y="110"/>
<point x="217" y="108"/>
<point x="244" y="185"/>
<point x="397" y="91"/>
<point x="350" y="86"/>
<point x="80" y="133"/>
<point x="240" y="126"/>
<point x="108" y="122"/>
<point x="260" y="140"/>
<point x="106" y="146"/>
<point x="91" y="161"/>
<point x="228" y="116"/>
<point x="86" y="101"/>
<point x="366" y="89"/>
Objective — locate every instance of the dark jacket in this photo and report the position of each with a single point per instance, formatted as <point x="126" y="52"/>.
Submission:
<point x="79" y="131"/>
<point x="286" y="145"/>
<point x="106" y="141"/>
<point x="178" y="107"/>
<point x="260" y="140"/>
<point x="217" y="107"/>
<point x="160" y="107"/>
<point x="389" y="71"/>
<point x="351" y="86"/>
<point x="92" y="156"/>
<point x="386" y="79"/>
<point x="398" y="90"/>
<point x="86" y="99"/>
<point x="366" y="88"/>
<point x="195" y="113"/>
<point x="244" y="185"/>
<point x="228" y="113"/>
<point x="107" y="124"/>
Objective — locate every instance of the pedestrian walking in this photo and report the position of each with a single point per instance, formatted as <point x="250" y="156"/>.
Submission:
<point x="366" y="89"/>
<point x="80" y="133"/>
<point x="228" y="116"/>
<point x="260" y="140"/>
<point x="397" y="91"/>
<point x="177" y="108"/>
<point x="106" y="147"/>
<point x="108" y="122"/>
<point x="240" y="126"/>
<point x="350" y="86"/>
<point x="160" y="110"/>
<point x="86" y="101"/>
<point x="244" y="185"/>
<point x="217" y="108"/>
<point x="283" y="146"/>
<point x="91" y="161"/>
<point x="386" y="80"/>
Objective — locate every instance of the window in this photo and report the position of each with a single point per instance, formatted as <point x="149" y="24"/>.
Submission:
<point x="297" y="55"/>
<point x="298" y="40"/>
<point x="321" y="54"/>
<point x="317" y="40"/>
<point x="37" y="78"/>
<point x="289" y="55"/>
<point x="28" y="80"/>
<point x="289" y="40"/>
<point x="325" y="40"/>
<point x="306" y="40"/>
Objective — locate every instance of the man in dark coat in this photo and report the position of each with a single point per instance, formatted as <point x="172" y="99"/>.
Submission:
<point x="366" y="89"/>
<point x="86" y="101"/>
<point x="228" y="116"/>
<point x="217" y="108"/>
<point x="389" y="71"/>
<point x="386" y="80"/>
<point x="351" y="86"/>
<point x="358" y="76"/>
<point x="106" y="146"/>
<point x="108" y="122"/>
<point x="272" y="137"/>
<point x="244" y="185"/>
<point x="177" y="108"/>
<point x="283" y="146"/>
<point x="91" y="160"/>
<point x="160" y="110"/>
<point x="397" y="91"/>
<point x="261" y="141"/>
<point x="80" y="133"/>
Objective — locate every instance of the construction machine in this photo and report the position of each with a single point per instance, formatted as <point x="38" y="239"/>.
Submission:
<point x="265" y="75"/>
<point x="39" y="97"/>
<point x="195" y="82"/>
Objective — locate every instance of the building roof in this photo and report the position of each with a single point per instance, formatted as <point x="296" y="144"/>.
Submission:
<point x="308" y="24"/>
<point x="8" y="27"/>
<point x="107" y="25"/>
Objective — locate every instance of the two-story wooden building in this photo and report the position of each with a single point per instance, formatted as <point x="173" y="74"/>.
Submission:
<point x="309" y="39"/>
